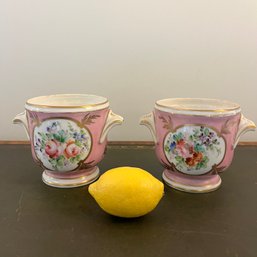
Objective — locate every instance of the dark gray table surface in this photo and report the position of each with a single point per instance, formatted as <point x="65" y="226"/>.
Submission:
<point x="38" y="220"/>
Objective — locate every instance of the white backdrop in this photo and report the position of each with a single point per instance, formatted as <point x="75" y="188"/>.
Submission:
<point x="133" y="52"/>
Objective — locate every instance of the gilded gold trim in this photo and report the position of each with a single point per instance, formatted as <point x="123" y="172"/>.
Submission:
<point x="250" y="127"/>
<point x="174" y="172"/>
<point x="221" y="115"/>
<point x="105" y="121"/>
<point x="63" y="106"/>
<point x="33" y="117"/>
<point x="228" y="124"/>
<point x="85" y="182"/>
<point x="106" y="128"/>
<point x="177" y="107"/>
<point x="181" y="187"/>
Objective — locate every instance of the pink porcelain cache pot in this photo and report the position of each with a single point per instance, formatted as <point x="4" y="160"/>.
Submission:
<point x="195" y="140"/>
<point x="68" y="135"/>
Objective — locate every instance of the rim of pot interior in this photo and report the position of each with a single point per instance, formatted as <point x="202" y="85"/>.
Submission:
<point x="67" y="103"/>
<point x="198" y="106"/>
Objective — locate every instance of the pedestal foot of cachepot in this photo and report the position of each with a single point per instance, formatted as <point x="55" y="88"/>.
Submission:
<point x="71" y="179"/>
<point x="191" y="184"/>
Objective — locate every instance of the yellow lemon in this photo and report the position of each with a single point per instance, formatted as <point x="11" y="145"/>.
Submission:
<point x="127" y="192"/>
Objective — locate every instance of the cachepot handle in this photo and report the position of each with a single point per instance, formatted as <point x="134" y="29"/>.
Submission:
<point x="21" y="119"/>
<point x="111" y="121"/>
<point x="148" y="121"/>
<point x="245" y="125"/>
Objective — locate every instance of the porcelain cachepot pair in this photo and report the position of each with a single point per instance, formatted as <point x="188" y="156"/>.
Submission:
<point x="194" y="138"/>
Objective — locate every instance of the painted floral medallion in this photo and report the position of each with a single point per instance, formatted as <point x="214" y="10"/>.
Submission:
<point x="61" y="145"/>
<point x="194" y="149"/>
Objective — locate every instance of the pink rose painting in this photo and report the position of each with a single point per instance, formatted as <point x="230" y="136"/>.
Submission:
<point x="53" y="148"/>
<point x="71" y="150"/>
<point x="61" y="144"/>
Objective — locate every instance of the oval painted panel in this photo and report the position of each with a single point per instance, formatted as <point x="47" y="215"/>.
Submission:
<point x="61" y="144"/>
<point x="194" y="149"/>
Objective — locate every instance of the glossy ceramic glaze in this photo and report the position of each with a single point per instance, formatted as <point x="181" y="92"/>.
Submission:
<point x="195" y="140"/>
<point x="68" y="136"/>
